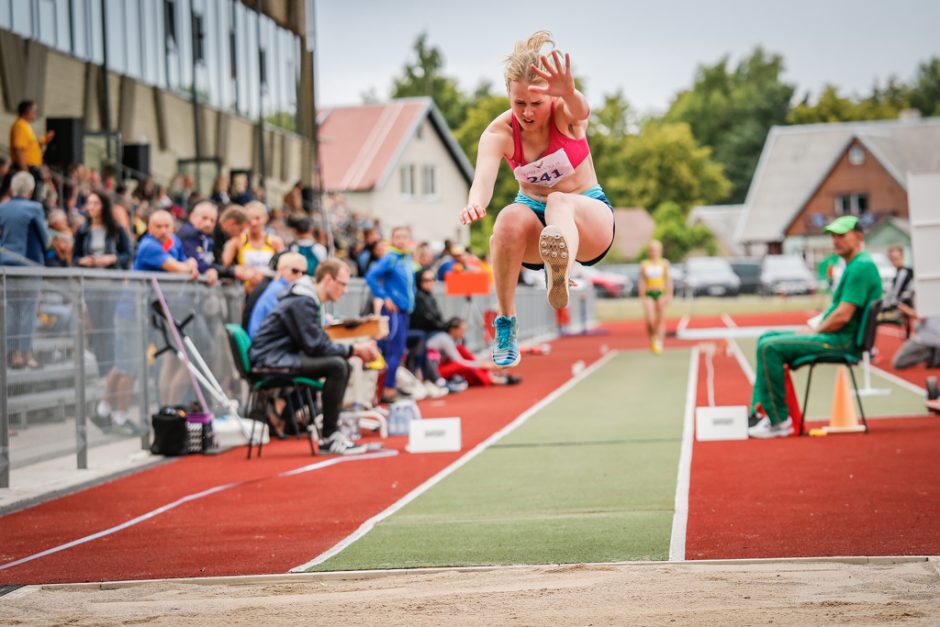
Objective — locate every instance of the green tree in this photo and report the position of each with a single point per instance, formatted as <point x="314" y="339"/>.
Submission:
<point x="423" y="76"/>
<point x="664" y="164"/>
<point x="925" y="94"/>
<point x="677" y="237"/>
<point x="882" y="104"/>
<point x="732" y="112"/>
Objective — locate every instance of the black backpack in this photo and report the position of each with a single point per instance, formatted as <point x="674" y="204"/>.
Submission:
<point x="170" y="431"/>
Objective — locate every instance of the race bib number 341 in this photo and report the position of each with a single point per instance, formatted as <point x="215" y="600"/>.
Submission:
<point x="546" y="171"/>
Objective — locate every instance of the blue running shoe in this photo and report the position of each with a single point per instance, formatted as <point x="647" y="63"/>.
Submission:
<point x="506" y="347"/>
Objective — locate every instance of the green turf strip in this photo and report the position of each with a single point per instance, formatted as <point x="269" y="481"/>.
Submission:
<point x="900" y="402"/>
<point x="589" y="478"/>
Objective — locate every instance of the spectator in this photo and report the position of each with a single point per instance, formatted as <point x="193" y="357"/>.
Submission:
<point x="159" y="251"/>
<point x="290" y="267"/>
<point x="101" y="242"/>
<point x="220" y="191"/>
<point x="241" y="193"/>
<point x="196" y="238"/>
<point x="836" y="334"/>
<point x="255" y="247"/>
<point x="278" y="227"/>
<point x="456" y="359"/>
<point x="292" y="337"/>
<point x="57" y="220"/>
<point x="391" y="281"/>
<point x="902" y="288"/>
<point x="60" y="252"/>
<point x="293" y="201"/>
<point x="25" y="148"/>
<point x="426" y="320"/>
<point x="424" y="257"/>
<point x="231" y="224"/>
<point x="307" y="243"/>
<point x="23" y="240"/>
<point x="366" y="255"/>
<point x="924" y="346"/>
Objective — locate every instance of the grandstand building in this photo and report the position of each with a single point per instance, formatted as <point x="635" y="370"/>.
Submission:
<point x="192" y="86"/>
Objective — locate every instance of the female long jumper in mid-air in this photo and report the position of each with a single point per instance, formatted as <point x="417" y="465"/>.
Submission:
<point x="560" y="214"/>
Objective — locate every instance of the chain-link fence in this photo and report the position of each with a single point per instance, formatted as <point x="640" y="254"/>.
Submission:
<point x="103" y="364"/>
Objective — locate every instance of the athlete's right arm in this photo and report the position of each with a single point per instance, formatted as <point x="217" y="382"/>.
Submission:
<point x="489" y="154"/>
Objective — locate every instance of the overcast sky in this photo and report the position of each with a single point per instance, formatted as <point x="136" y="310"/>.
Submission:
<point x="648" y="49"/>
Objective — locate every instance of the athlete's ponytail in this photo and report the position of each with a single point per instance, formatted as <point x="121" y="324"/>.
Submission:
<point x="526" y="54"/>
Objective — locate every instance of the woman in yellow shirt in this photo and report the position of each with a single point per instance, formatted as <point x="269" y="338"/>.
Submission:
<point x="655" y="294"/>
<point x="254" y="249"/>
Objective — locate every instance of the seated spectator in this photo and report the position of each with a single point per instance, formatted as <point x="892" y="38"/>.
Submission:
<point x="100" y="242"/>
<point x="292" y="337"/>
<point x="219" y="193"/>
<point x="307" y="243"/>
<point x="391" y="280"/>
<point x="255" y="247"/>
<point x="58" y="220"/>
<point x="24" y="240"/>
<point x="290" y="267"/>
<point x="60" y="253"/>
<point x="837" y="333"/>
<point x="456" y="359"/>
<point x="921" y="348"/>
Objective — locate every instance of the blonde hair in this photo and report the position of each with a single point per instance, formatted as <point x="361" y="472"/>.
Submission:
<point x="525" y="55"/>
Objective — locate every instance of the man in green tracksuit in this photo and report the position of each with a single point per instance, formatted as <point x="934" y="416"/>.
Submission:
<point x="837" y="333"/>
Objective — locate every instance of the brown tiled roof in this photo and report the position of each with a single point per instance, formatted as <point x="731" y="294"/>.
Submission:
<point x="360" y="145"/>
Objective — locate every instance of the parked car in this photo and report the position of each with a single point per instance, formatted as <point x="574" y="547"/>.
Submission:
<point x="606" y="284"/>
<point x="748" y="270"/>
<point x="710" y="276"/>
<point x="786" y="274"/>
<point x="629" y="270"/>
<point x="885" y="268"/>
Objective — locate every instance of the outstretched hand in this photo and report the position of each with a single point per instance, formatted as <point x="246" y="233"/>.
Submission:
<point x="558" y="78"/>
<point x="472" y="213"/>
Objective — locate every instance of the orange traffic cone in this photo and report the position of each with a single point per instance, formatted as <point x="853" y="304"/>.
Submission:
<point x="843" y="418"/>
<point x="793" y="405"/>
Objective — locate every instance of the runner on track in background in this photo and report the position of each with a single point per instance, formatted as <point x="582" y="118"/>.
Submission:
<point x="560" y="213"/>
<point x="655" y="293"/>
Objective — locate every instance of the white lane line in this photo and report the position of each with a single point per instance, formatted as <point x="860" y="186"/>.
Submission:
<point x="904" y="383"/>
<point x="683" y="323"/>
<point x="736" y="351"/>
<point x="188" y="499"/>
<point x="368" y="525"/>
<point x="680" y="519"/>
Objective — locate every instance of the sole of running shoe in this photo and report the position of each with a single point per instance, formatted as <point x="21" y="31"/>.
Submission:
<point x="554" y="252"/>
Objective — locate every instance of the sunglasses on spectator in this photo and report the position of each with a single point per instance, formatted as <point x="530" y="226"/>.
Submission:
<point x="297" y="271"/>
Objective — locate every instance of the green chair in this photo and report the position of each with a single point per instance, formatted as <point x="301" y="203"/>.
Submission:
<point x="268" y="379"/>
<point x="865" y="340"/>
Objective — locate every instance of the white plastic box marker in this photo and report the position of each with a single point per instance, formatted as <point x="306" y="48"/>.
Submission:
<point x="721" y="423"/>
<point x="434" y="435"/>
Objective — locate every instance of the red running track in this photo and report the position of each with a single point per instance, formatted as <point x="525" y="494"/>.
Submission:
<point x="267" y="523"/>
<point x="874" y="494"/>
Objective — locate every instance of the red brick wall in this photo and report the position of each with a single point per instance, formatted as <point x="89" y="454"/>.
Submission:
<point x="885" y="195"/>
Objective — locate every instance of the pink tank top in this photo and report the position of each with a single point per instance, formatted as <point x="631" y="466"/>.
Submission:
<point x="577" y="150"/>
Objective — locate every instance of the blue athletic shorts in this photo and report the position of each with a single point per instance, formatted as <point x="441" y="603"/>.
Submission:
<point x="596" y="192"/>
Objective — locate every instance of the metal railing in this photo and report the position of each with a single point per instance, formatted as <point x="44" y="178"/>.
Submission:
<point x="93" y="334"/>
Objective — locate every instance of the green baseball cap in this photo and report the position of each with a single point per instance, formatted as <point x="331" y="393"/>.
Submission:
<point x="843" y="225"/>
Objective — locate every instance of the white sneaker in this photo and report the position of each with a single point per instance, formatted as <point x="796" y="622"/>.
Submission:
<point x="338" y="444"/>
<point x="104" y="409"/>
<point x="764" y="429"/>
<point x="435" y="391"/>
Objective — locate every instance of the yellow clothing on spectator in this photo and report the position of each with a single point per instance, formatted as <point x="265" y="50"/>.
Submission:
<point x="23" y="138"/>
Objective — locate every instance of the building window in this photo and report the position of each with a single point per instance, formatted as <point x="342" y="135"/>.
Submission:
<point x="856" y="155"/>
<point x="429" y="181"/>
<point x="852" y="204"/>
<point x="407" y="173"/>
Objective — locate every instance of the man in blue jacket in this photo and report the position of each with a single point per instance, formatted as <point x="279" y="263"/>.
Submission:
<point x="292" y="337"/>
<point x="24" y="239"/>
<point x="392" y="282"/>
